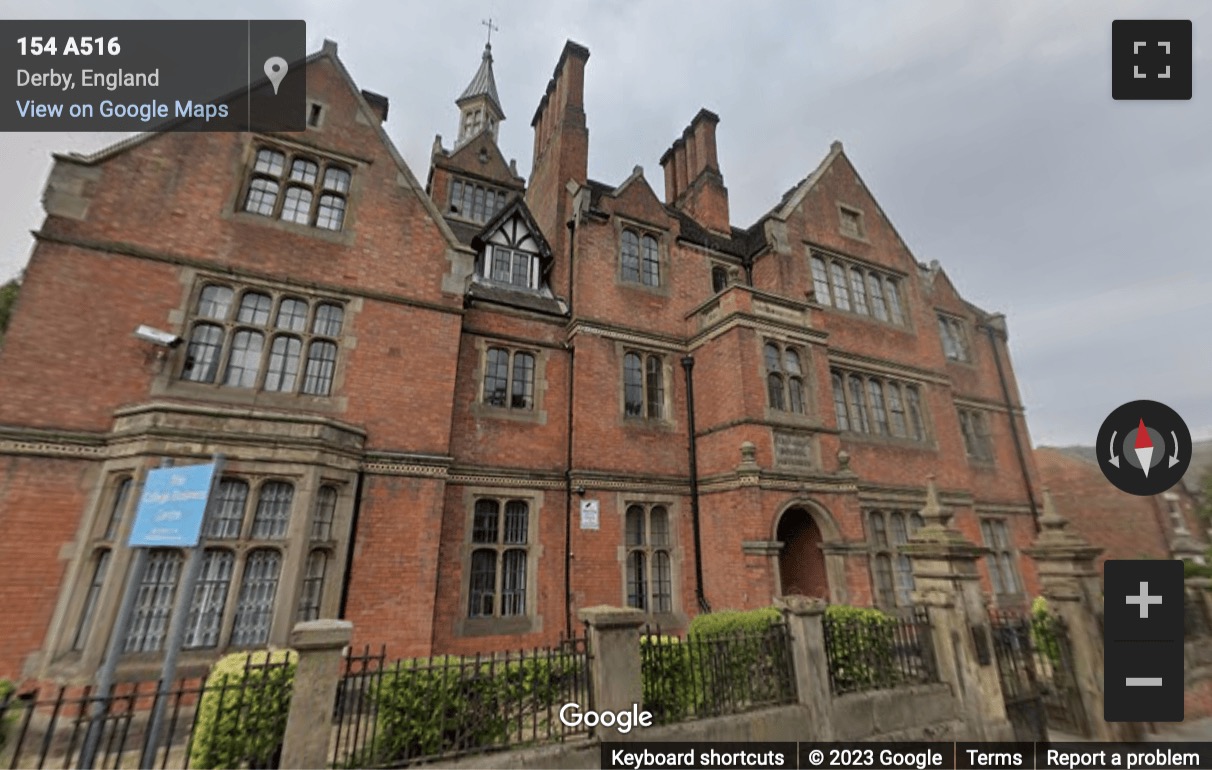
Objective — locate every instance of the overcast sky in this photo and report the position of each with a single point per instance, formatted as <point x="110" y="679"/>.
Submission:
<point x="986" y="131"/>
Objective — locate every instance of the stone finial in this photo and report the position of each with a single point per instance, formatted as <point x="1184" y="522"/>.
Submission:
<point x="1051" y="521"/>
<point x="934" y="514"/>
<point x="748" y="457"/>
<point x="843" y="463"/>
<point x="437" y="145"/>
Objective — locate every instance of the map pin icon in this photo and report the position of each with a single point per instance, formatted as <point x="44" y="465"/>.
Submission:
<point x="275" y="70"/>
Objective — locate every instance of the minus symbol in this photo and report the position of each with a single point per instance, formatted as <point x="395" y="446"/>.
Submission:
<point x="1144" y="681"/>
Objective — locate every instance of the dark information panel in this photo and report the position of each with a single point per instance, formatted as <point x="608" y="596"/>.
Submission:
<point x="153" y="75"/>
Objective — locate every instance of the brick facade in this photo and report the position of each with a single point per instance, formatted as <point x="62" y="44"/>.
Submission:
<point x="410" y="431"/>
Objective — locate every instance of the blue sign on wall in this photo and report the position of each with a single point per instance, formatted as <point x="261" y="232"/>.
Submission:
<point x="171" y="508"/>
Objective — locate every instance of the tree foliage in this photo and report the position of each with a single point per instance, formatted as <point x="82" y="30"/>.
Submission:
<point x="8" y="298"/>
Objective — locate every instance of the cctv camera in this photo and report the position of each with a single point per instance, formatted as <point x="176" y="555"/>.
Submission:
<point x="157" y="337"/>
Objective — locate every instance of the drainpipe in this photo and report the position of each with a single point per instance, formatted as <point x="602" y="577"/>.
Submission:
<point x="1018" y="441"/>
<point x="688" y="367"/>
<point x="353" y="536"/>
<point x="572" y="232"/>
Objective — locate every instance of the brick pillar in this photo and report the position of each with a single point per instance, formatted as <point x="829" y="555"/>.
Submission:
<point x="947" y="584"/>
<point x="805" y="622"/>
<point x="1070" y="582"/>
<point x="615" y="678"/>
<point x="309" y="724"/>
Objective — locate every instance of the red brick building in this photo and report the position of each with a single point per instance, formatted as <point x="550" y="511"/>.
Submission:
<point x="454" y="413"/>
<point x="1164" y="526"/>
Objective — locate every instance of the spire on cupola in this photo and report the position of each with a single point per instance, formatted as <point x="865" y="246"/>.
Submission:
<point x="479" y="105"/>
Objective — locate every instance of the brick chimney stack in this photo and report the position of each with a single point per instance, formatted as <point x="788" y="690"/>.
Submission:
<point x="561" y="151"/>
<point x="693" y="182"/>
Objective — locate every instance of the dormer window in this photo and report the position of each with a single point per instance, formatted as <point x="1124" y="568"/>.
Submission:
<point x="513" y="267"/>
<point x="475" y="202"/>
<point x="512" y="252"/>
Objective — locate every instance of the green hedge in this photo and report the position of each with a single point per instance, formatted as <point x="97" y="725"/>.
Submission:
<point x="862" y="651"/>
<point x="672" y="687"/>
<point x="242" y="714"/>
<point x="724" y="663"/>
<point x="7" y="689"/>
<point x="733" y="621"/>
<point x="426" y="707"/>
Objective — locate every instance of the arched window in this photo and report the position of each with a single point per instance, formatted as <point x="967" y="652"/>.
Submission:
<point x="839" y="402"/>
<point x="209" y="600"/>
<point x="784" y="378"/>
<point x="878" y="308"/>
<point x="795" y="381"/>
<point x="154" y="601"/>
<point x="841" y="297"/>
<point x="304" y="183"/>
<point x="273" y="511"/>
<point x="312" y="590"/>
<point x="857" y="291"/>
<point x="648" y="567"/>
<point x="654" y="388"/>
<point x="501" y="534"/>
<point x="651" y="261"/>
<point x="325" y="513"/>
<point x="633" y="385"/>
<point x="879" y="417"/>
<point x="629" y="256"/>
<point x="258" y="589"/>
<point x="719" y="279"/>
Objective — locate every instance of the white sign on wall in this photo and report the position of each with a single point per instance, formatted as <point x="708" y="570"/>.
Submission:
<point x="589" y="514"/>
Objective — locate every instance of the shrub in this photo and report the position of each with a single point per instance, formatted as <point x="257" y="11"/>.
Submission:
<point x="734" y="621"/>
<point x="7" y="689"/>
<point x="242" y="714"/>
<point x="426" y="707"/>
<point x="1043" y="633"/>
<point x="862" y="648"/>
<point x="671" y="689"/>
<point x="735" y="656"/>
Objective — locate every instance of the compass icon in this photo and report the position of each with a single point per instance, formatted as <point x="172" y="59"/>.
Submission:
<point x="1144" y="447"/>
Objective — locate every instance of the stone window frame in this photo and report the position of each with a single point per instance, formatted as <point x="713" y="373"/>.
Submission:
<point x="955" y="338"/>
<point x="108" y="531"/>
<point x="839" y="294"/>
<point x="292" y="547"/>
<point x="480" y="408"/>
<point x="847" y="213"/>
<point x="641" y="231"/>
<point x="269" y="330"/>
<point x="676" y="617"/>
<point x="666" y="368"/>
<point x="501" y="199"/>
<point x="806" y="397"/>
<point x="899" y="396"/>
<point x="285" y="180"/>
<point x="977" y="434"/>
<point x="532" y="620"/>
<point x="891" y="571"/>
<point x="1003" y="556"/>
<point x="317" y="111"/>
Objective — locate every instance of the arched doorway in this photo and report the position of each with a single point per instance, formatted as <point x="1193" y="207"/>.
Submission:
<point x="801" y="561"/>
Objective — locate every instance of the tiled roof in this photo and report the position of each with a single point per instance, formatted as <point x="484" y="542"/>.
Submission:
<point x="483" y="84"/>
<point x="527" y="300"/>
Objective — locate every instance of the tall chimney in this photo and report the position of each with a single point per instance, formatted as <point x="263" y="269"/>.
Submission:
<point x="693" y="181"/>
<point x="561" y="152"/>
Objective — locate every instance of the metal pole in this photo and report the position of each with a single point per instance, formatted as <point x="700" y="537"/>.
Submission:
<point x="176" y="628"/>
<point x="688" y="367"/>
<point x="117" y="641"/>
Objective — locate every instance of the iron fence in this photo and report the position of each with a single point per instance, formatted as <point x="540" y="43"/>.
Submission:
<point x="404" y="712"/>
<point x="713" y="675"/>
<point x="48" y="727"/>
<point x="870" y="651"/>
<point x="1035" y="668"/>
<point x="1195" y="613"/>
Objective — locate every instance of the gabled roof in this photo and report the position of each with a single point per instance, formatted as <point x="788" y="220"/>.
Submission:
<point x="483" y="84"/>
<point x="516" y="206"/>
<point x="327" y="51"/>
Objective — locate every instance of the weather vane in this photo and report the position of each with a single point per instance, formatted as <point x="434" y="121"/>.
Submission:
<point x="491" y="28"/>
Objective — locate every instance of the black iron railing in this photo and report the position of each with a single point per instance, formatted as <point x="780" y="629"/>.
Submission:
<point x="394" y="714"/>
<point x="877" y="651"/>
<point x="47" y="727"/>
<point x="1035" y="662"/>
<point x="713" y="675"/>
